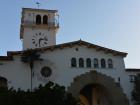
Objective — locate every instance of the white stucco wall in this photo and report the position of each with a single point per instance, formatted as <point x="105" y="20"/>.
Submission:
<point x="16" y="76"/>
<point x="130" y="84"/>
<point x="18" y="73"/>
<point x="59" y="60"/>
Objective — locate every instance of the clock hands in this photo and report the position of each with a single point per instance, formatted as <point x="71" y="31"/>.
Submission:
<point x="41" y="39"/>
<point x="45" y="39"/>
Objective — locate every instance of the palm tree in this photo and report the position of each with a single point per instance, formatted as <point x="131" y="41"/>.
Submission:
<point x="29" y="56"/>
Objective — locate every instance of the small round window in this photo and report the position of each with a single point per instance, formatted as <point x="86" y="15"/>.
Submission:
<point x="46" y="72"/>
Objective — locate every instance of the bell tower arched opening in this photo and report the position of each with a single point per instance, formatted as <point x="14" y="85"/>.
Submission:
<point x="38" y="19"/>
<point x="45" y="19"/>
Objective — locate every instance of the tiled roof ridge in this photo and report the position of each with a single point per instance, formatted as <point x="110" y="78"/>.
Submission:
<point x="132" y="69"/>
<point x="68" y="44"/>
<point x="32" y="9"/>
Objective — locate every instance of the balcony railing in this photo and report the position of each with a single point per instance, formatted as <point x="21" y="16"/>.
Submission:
<point x="33" y="24"/>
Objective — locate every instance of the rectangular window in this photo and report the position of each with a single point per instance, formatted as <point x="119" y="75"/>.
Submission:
<point x="132" y="78"/>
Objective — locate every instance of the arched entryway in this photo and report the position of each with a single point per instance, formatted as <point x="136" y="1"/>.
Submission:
<point x="94" y="88"/>
<point x="95" y="94"/>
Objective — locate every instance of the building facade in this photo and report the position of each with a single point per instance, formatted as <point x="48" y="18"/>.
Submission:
<point x="95" y="74"/>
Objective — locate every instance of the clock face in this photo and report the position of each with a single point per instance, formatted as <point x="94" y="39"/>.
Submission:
<point x="39" y="39"/>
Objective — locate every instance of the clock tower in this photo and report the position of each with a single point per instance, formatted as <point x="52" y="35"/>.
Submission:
<point x="38" y="28"/>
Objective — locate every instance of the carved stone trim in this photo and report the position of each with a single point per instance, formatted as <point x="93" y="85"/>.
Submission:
<point x="93" y="77"/>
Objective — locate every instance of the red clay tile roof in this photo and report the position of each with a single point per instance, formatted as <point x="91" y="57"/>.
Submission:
<point x="132" y="70"/>
<point x="64" y="45"/>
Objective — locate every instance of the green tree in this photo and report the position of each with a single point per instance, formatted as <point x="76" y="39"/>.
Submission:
<point x="136" y="91"/>
<point x="50" y="94"/>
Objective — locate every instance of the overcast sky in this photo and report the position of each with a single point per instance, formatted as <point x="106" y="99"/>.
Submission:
<point x="109" y="23"/>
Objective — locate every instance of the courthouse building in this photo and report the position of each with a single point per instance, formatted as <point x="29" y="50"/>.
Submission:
<point x="95" y="74"/>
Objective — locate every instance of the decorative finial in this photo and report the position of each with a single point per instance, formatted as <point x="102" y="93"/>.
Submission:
<point x="38" y="4"/>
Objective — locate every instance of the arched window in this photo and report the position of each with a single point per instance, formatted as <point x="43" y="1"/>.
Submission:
<point x="96" y="65"/>
<point x="88" y="62"/>
<point x="73" y="62"/>
<point x="103" y="63"/>
<point x="3" y="82"/>
<point x="38" y="19"/>
<point x="81" y="62"/>
<point x="110" y="63"/>
<point x="45" y="19"/>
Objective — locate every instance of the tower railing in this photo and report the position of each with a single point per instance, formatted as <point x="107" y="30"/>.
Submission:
<point x="49" y="24"/>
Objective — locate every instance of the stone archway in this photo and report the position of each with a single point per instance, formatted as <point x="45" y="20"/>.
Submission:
<point x="95" y="94"/>
<point x="115" y="92"/>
